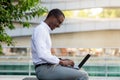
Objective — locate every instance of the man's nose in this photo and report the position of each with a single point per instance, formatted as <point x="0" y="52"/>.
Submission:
<point x="58" y="25"/>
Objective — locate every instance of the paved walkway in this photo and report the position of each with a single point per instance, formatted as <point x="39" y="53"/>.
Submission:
<point x="33" y="78"/>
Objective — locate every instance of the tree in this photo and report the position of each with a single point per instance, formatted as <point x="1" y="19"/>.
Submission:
<point x="110" y="13"/>
<point x="16" y="10"/>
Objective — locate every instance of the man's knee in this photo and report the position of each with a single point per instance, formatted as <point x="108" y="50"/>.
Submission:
<point x="83" y="75"/>
<point x="86" y="77"/>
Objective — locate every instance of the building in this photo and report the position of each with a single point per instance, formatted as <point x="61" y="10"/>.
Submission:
<point x="76" y="33"/>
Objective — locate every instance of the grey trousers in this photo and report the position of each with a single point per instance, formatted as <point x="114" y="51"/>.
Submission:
<point x="58" y="72"/>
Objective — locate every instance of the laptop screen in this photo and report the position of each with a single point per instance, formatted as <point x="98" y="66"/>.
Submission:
<point x="84" y="60"/>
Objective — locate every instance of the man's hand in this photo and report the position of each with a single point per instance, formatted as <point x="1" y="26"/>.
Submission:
<point x="66" y="62"/>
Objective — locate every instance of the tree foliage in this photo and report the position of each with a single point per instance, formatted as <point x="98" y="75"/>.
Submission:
<point x="110" y="13"/>
<point x="16" y="10"/>
<point x="89" y="13"/>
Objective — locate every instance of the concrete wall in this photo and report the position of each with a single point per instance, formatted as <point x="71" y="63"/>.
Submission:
<point x="72" y="25"/>
<point x="86" y="39"/>
<point x="79" y="4"/>
<point x="76" y="33"/>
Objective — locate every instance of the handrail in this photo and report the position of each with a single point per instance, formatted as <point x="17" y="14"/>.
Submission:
<point x="30" y="71"/>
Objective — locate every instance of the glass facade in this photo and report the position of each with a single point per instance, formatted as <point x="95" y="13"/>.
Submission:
<point x="103" y="62"/>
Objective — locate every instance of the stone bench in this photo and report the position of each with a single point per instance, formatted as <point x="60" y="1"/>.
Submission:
<point x="30" y="78"/>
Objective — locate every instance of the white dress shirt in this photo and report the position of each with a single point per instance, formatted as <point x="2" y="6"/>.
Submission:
<point x="41" y="45"/>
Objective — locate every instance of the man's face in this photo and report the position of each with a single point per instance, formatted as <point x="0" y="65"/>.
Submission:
<point x="56" y="22"/>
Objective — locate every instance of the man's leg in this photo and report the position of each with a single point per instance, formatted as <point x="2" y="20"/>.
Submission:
<point x="57" y="72"/>
<point x="83" y="75"/>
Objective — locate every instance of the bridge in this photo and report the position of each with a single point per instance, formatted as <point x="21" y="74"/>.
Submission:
<point x="76" y="32"/>
<point x="79" y="4"/>
<point x="21" y="67"/>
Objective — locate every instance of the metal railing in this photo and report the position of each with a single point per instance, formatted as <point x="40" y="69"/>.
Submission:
<point x="95" y="66"/>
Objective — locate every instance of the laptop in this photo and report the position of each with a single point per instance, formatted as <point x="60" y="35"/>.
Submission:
<point x="82" y="62"/>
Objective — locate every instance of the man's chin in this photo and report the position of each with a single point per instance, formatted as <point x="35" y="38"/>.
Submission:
<point x="52" y="29"/>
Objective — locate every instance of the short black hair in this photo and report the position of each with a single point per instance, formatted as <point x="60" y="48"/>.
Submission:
<point x="55" y="12"/>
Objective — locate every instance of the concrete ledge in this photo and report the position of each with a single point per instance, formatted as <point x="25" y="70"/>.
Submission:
<point x="91" y="78"/>
<point x="13" y="77"/>
<point x="30" y="78"/>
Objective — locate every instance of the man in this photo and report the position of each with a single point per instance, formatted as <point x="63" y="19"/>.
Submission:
<point x="48" y="66"/>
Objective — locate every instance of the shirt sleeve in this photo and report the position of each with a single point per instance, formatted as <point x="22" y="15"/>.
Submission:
<point x="43" y="49"/>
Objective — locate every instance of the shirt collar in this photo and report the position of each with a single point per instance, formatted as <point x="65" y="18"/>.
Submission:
<point x="48" y="28"/>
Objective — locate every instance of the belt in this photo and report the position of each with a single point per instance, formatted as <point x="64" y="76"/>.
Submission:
<point x="42" y="64"/>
